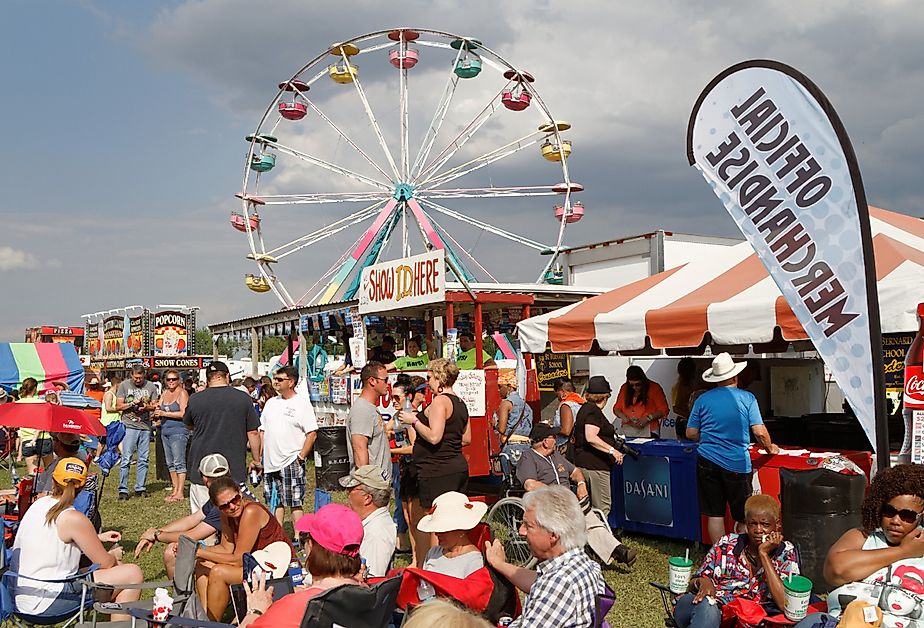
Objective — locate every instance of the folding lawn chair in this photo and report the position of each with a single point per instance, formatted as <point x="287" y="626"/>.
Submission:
<point x="603" y="602"/>
<point x="185" y="601"/>
<point x="484" y="591"/>
<point x="354" y="606"/>
<point x="9" y="612"/>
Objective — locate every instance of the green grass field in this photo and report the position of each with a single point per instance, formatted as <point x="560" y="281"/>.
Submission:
<point x="637" y="604"/>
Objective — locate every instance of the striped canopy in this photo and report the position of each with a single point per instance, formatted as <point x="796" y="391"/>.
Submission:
<point x="726" y="298"/>
<point x="47" y="362"/>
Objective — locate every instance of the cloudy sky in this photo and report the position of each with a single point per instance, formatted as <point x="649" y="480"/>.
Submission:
<point x="126" y="123"/>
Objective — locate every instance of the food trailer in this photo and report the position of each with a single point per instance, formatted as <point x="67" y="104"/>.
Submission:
<point x="402" y="298"/>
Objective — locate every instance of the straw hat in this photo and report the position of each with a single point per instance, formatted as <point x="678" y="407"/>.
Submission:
<point x="723" y="368"/>
<point x="452" y="511"/>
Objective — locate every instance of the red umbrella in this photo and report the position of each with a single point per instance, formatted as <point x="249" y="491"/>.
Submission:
<point x="49" y="417"/>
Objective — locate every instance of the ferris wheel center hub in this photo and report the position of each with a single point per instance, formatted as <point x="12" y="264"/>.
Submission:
<point x="404" y="192"/>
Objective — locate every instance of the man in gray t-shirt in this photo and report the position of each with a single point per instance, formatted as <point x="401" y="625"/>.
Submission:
<point x="366" y="439"/>
<point x="136" y="398"/>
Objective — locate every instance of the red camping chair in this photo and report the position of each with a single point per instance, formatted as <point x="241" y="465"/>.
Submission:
<point x="742" y="613"/>
<point x="484" y="591"/>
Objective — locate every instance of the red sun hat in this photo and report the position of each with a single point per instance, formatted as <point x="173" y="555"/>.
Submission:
<point x="334" y="527"/>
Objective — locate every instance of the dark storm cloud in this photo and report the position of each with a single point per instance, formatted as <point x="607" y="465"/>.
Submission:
<point x="625" y="74"/>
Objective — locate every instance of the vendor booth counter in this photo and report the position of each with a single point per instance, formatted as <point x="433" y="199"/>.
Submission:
<point x="657" y="493"/>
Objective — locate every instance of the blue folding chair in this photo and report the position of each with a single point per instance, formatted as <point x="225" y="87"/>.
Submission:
<point x="8" y="610"/>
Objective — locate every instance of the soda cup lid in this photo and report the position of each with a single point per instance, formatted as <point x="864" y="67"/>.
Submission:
<point x="680" y="561"/>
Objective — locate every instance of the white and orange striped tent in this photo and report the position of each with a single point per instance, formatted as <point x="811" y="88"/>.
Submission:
<point x="726" y="299"/>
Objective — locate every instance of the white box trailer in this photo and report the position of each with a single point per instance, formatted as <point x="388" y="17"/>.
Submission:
<point x="614" y="263"/>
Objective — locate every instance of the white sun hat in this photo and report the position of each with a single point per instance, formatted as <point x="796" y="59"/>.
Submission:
<point x="274" y="559"/>
<point x="452" y="511"/>
<point x="723" y="368"/>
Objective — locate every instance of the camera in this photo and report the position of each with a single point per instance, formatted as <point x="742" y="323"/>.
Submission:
<point x="626" y="449"/>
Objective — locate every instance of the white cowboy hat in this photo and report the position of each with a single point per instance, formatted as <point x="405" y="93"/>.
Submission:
<point x="452" y="511"/>
<point x="274" y="559"/>
<point x="723" y="368"/>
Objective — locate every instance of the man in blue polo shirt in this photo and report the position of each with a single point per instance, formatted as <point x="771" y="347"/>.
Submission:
<point x="722" y="420"/>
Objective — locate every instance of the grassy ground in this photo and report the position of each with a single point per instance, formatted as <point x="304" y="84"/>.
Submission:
<point x="637" y="604"/>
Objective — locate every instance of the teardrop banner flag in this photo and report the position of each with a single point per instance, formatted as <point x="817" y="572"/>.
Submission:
<point x="774" y="151"/>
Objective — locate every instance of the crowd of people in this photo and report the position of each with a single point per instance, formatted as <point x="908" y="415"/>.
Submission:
<point x="412" y="463"/>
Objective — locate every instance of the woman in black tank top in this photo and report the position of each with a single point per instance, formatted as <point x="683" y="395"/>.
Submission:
<point x="442" y="430"/>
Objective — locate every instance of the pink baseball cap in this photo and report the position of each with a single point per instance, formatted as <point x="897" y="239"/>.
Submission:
<point x="334" y="527"/>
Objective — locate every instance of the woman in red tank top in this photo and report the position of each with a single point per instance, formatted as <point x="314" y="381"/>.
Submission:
<point x="246" y="526"/>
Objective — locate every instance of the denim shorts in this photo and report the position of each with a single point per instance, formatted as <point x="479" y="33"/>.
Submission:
<point x="40" y="447"/>
<point x="66" y="604"/>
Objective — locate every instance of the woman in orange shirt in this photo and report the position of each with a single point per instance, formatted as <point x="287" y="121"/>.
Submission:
<point x="640" y="405"/>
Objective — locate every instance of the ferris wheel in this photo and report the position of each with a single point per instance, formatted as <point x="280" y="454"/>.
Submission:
<point x="333" y="151"/>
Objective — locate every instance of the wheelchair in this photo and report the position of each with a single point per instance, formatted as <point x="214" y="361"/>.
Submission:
<point x="506" y="515"/>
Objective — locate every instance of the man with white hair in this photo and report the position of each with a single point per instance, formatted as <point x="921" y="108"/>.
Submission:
<point x="562" y="590"/>
<point x="721" y="420"/>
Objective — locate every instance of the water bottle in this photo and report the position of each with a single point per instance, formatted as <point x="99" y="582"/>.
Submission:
<point x="425" y="591"/>
<point x="295" y="574"/>
<point x="254" y="478"/>
<point x="14" y="476"/>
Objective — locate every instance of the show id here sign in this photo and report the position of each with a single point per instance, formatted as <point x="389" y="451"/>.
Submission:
<point x="403" y="283"/>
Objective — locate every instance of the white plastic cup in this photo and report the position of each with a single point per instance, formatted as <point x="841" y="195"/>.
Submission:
<point x="679" y="570"/>
<point x="798" y="591"/>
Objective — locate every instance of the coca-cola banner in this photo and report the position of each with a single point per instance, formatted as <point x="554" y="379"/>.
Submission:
<point x="773" y="150"/>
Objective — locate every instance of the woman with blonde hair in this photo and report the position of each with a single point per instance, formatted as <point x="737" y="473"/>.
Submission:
<point x="173" y="432"/>
<point x="445" y="614"/>
<point x="442" y="430"/>
<point x="51" y="539"/>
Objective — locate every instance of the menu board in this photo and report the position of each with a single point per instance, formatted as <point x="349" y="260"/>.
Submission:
<point x="471" y="389"/>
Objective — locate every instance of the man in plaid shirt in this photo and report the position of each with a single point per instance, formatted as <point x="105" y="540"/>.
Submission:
<point x="562" y="590"/>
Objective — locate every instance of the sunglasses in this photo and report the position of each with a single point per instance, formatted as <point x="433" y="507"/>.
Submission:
<point x="280" y="379"/>
<point x="397" y="397"/>
<point x="171" y="379"/>
<point x="234" y="501"/>
<point x="905" y="514"/>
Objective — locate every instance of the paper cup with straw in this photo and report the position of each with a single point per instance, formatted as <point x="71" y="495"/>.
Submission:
<point x="679" y="571"/>
<point x="798" y="591"/>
